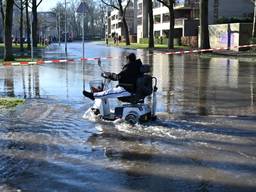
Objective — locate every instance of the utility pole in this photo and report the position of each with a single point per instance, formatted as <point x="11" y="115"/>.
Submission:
<point x="66" y="48"/>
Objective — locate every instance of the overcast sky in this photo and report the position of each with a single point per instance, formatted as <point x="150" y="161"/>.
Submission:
<point x="47" y="5"/>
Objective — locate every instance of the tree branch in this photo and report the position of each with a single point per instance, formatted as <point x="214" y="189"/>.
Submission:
<point x="30" y="1"/>
<point x="127" y="5"/>
<point x="39" y="3"/>
<point x="165" y="2"/>
<point x="15" y="3"/>
<point x="2" y="9"/>
<point x="110" y="4"/>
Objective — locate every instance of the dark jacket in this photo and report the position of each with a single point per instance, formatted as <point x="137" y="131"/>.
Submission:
<point x="128" y="76"/>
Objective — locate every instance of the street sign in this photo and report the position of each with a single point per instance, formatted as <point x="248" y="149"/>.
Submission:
<point x="82" y="8"/>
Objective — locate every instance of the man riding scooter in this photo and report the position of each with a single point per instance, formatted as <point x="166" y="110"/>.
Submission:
<point x="127" y="79"/>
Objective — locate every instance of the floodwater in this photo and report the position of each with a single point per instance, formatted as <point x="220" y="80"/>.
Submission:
<point x="205" y="139"/>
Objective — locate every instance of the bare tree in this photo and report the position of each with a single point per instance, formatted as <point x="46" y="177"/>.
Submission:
<point x="254" y="20"/>
<point x="2" y="11"/>
<point x="8" y="19"/>
<point x="94" y="20"/>
<point x="117" y="4"/>
<point x="2" y="16"/>
<point x="35" y="5"/>
<point x="28" y="32"/>
<point x="170" y="4"/>
<point x="204" y="31"/>
<point x="21" y="5"/>
<point x="151" y="24"/>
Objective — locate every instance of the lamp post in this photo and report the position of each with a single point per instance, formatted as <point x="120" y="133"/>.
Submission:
<point x="59" y="29"/>
<point x="83" y="34"/>
<point x="81" y="10"/>
<point x="31" y="37"/>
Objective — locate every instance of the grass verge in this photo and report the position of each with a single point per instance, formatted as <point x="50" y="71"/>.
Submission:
<point x="20" y="59"/>
<point x="145" y="46"/>
<point x="10" y="102"/>
<point x="17" y="46"/>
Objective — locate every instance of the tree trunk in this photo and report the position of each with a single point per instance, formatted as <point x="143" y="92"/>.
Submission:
<point x="126" y="31"/>
<point x="145" y="19"/>
<point x="204" y="31"/>
<point x="172" y="22"/>
<point x="2" y="12"/>
<point x="28" y="26"/>
<point x="21" y="26"/>
<point x="8" y="30"/>
<point x="2" y="16"/>
<point x="151" y="43"/>
<point x="34" y="23"/>
<point x="254" y="21"/>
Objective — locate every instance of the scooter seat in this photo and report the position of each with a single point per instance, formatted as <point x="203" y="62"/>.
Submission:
<point x="131" y="99"/>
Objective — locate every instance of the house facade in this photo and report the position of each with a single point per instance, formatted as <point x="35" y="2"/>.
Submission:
<point x="186" y="13"/>
<point x="186" y="18"/>
<point x="114" y="25"/>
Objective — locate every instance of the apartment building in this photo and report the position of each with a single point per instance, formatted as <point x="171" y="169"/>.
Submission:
<point x="186" y="18"/>
<point x="186" y="14"/>
<point x="114" y="25"/>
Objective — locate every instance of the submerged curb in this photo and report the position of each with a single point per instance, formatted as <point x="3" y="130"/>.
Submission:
<point x="39" y="62"/>
<point x="182" y="52"/>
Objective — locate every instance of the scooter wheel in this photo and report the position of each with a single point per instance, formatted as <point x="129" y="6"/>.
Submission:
<point x="131" y="119"/>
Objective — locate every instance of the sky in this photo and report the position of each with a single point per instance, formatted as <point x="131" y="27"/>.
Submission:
<point x="47" y="5"/>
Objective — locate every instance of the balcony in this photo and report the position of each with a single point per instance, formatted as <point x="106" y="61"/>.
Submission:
<point x="183" y="4"/>
<point x="179" y="22"/>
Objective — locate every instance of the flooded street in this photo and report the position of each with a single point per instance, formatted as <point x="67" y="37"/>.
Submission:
<point x="204" y="140"/>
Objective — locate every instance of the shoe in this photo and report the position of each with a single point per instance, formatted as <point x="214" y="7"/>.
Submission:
<point x="89" y="95"/>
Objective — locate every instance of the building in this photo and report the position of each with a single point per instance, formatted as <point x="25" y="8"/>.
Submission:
<point x="186" y="14"/>
<point x="114" y="24"/>
<point x="186" y="19"/>
<point x="229" y="9"/>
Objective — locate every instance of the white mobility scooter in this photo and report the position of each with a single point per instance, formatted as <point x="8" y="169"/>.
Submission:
<point x="134" y="109"/>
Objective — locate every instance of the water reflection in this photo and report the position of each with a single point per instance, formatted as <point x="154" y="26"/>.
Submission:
<point x="9" y="82"/>
<point x="46" y="145"/>
<point x="187" y="83"/>
<point x="203" y="80"/>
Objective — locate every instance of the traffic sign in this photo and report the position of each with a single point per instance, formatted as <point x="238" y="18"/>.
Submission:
<point x="82" y="8"/>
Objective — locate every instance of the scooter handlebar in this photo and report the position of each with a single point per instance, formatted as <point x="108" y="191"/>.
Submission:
<point x="106" y="75"/>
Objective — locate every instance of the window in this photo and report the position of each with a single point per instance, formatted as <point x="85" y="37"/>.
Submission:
<point x="157" y="33"/>
<point x="166" y="17"/>
<point x="166" y="33"/>
<point x="156" y="4"/>
<point x="140" y="9"/>
<point x="157" y="19"/>
<point x="139" y="21"/>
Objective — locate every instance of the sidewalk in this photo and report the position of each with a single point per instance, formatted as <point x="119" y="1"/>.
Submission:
<point x="249" y="53"/>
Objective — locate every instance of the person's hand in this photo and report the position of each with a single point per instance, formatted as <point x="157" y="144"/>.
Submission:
<point x="106" y="75"/>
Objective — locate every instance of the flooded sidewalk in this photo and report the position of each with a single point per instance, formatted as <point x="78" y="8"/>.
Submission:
<point x="204" y="140"/>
